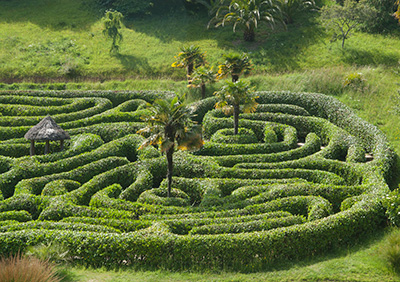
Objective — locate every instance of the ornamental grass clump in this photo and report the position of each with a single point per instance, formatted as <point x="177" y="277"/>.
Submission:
<point x="18" y="268"/>
<point x="390" y="251"/>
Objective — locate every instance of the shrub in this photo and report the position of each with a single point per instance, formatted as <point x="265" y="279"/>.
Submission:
<point x="80" y="174"/>
<point x="251" y="226"/>
<point x="59" y="187"/>
<point x="15" y="215"/>
<point x="244" y="136"/>
<point x="158" y="196"/>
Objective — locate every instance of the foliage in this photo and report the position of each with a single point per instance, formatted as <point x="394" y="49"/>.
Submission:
<point x="355" y="81"/>
<point x="246" y="14"/>
<point x="168" y="123"/>
<point x="51" y="251"/>
<point x="291" y="8"/>
<point x="234" y="65"/>
<point x="391" y="202"/>
<point x="383" y="19"/>
<point x="200" y="77"/>
<point x="342" y="20"/>
<point x="112" y="23"/>
<point x="190" y="58"/>
<point x="236" y="97"/>
<point x="126" y="7"/>
<point x="397" y="13"/>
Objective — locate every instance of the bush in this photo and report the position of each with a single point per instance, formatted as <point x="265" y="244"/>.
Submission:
<point x="384" y="20"/>
<point x="158" y="196"/>
<point x="251" y="226"/>
<point x="81" y="174"/>
<point x="244" y="136"/>
<point x="21" y="216"/>
<point x="59" y="187"/>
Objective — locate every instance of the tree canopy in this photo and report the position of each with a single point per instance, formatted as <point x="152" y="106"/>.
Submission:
<point x="168" y="123"/>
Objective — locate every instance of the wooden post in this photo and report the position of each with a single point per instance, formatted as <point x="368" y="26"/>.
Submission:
<point x="32" y="150"/>
<point x="47" y="147"/>
<point x="61" y="144"/>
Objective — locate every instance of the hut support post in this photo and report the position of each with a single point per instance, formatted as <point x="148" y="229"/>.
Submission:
<point x="47" y="147"/>
<point x="32" y="150"/>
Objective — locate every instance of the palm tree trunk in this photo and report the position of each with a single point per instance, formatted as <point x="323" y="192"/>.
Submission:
<point x="236" y="110"/>
<point x="249" y="35"/>
<point x="189" y="71"/>
<point x="170" y="169"/>
<point x="203" y="91"/>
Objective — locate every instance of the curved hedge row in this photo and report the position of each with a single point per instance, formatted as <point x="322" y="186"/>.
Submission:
<point x="294" y="183"/>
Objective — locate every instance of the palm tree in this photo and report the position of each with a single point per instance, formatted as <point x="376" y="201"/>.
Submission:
<point x="200" y="77"/>
<point x="246" y="14"/>
<point x="167" y="124"/>
<point x="190" y="57"/>
<point x="235" y="97"/>
<point x="234" y="65"/>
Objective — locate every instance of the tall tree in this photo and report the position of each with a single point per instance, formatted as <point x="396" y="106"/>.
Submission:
<point x="234" y="65"/>
<point x="236" y="97"/>
<point x="112" y="23"/>
<point x="342" y="20"/>
<point x="246" y="14"/>
<point x="168" y="125"/>
<point x="200" y="77"/>
<point x="190" y="57"/>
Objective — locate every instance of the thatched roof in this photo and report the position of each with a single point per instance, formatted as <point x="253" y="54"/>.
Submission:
<point x="47" y="129"/>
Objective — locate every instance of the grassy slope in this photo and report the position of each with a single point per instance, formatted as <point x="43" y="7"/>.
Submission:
<point x="46" y="39"/>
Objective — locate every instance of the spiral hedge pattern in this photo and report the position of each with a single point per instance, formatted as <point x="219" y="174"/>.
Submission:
<point x="295" y="181"/>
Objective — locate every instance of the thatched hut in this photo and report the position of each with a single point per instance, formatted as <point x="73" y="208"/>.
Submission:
<point x="46" y="130"/>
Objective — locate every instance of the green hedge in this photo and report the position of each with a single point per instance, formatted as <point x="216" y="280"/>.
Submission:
<point x="15" y="215"/>
<point x="251" y="226"/>
<point x="124" y="225"/>
<point x="60" y="187"/>
<point x="49" y="225"/>
<point x="116" y="97"/>
<point x="66" y="110"/>
<point x="234" y="206"/>
<point x="312" y="145"/>
<point x="244" y="136"/>
<point x="283" y="108"/>
<point x="80" y="174"/>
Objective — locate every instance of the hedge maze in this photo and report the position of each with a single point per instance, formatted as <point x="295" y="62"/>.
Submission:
<point x="295" y="182"/>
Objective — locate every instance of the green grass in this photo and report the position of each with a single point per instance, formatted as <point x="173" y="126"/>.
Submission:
<point x="64" y="41"/>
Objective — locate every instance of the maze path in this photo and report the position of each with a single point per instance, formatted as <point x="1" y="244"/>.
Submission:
<point x="241" y="201"/>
